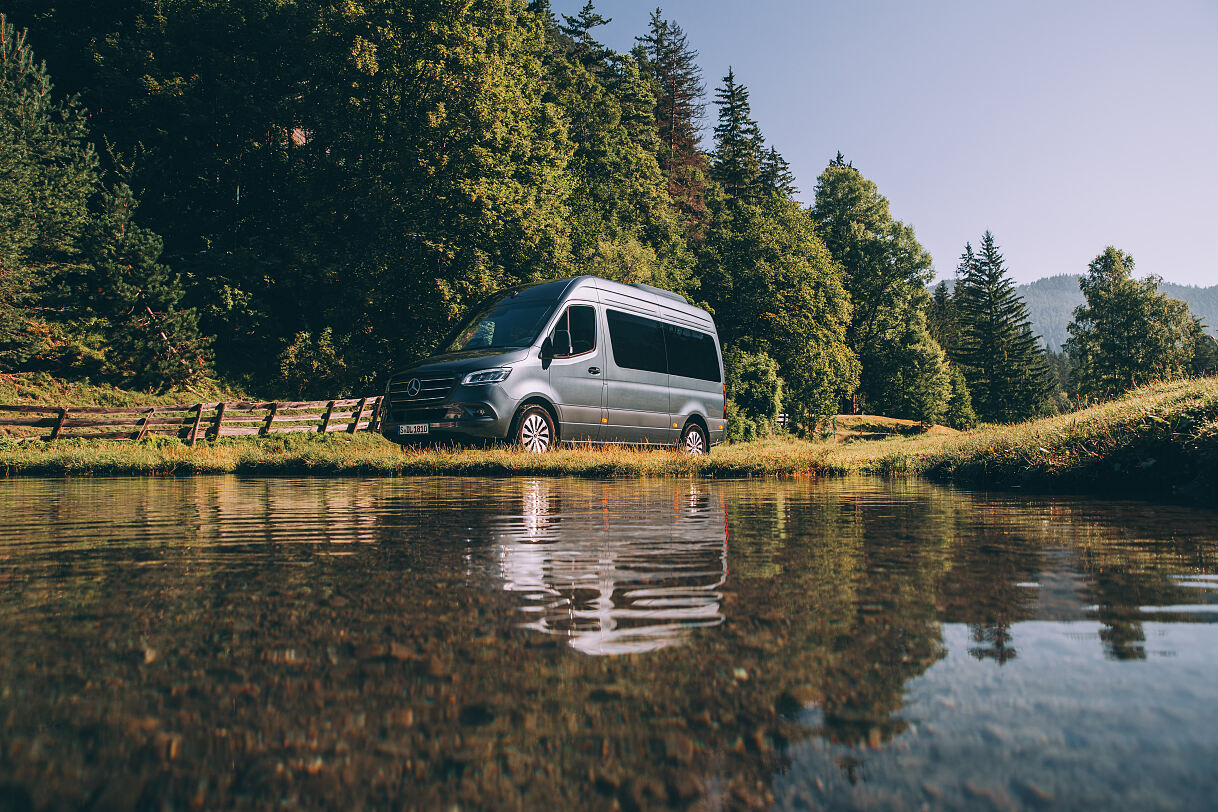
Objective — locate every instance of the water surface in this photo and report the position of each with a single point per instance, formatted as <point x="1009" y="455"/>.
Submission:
<point x="562" y="644"/>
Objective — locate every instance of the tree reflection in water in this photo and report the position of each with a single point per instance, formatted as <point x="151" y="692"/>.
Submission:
<point x="529" y="643"/>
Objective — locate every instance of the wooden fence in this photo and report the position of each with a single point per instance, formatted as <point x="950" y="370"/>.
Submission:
<point x="190" y="422"/>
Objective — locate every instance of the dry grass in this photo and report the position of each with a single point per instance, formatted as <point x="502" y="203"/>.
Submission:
<point x="42" y="389"/>
<point x="1160" y="439"/>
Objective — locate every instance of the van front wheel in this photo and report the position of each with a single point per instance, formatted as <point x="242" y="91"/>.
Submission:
<point x="693" y="440"/>
<point x="534" y="429"/>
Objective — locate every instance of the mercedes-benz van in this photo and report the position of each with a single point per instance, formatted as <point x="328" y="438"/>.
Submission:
<point x="581" y="360"/>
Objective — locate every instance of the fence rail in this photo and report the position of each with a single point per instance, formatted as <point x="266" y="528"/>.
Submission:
<point x="191" y="421"/>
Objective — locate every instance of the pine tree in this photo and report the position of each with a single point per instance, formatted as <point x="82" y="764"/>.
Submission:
<point x="1205" y="352"/>
<point x="73" y="249"/>
<point x="942" y="318"/>
<point x="621" y="223"/>
<point x="1128" y="332"/>
<point x="585" y="49"/>
<point x="776" y="177"/>
<point x="673" y="65"/>
<point x="48" y="170"/>
<point x="1060" y="369"/>
<point x="637" y="101"/>
<point x="218" y="104"/>
<point x="151" y="341"/>
<point x="738" y="142"/>
<point x="960" y="413"/>
<point x="1006" y="370"/>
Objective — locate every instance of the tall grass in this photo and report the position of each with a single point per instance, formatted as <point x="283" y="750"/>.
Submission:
<point x="41" y="388"/>
<point x="1160" y="439"/>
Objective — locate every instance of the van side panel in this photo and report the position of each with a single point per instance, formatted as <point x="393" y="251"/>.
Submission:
<point x="695" y="375"/>
<point x="638" y="396"/>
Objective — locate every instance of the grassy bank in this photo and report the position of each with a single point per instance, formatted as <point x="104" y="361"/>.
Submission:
<point x="37" y="388"/>
<point x="1160" y="440"/>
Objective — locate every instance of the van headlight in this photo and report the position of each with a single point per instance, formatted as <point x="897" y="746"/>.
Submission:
<point x="486" y="376"/>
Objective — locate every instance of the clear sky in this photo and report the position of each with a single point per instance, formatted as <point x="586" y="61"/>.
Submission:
<point x="1060" y="126"/>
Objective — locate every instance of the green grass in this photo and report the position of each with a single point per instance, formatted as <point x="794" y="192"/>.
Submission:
<point x="40" y="388"/>
<point x="368" y="454"/>
<point x="1160" y="440"/>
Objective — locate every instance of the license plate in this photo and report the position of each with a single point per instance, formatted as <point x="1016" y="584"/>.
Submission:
<point x="413" y="428"/>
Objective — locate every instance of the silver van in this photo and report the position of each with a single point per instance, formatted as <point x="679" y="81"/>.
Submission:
<point x="581" y="360"/>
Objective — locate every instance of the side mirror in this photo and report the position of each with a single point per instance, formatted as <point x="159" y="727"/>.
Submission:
<point x="562" y="343"/>
<point x="547" y="349"/>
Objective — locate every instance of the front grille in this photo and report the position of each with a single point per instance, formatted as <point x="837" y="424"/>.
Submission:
<point x="405" y="415"/>
<point x="432" y="389"/>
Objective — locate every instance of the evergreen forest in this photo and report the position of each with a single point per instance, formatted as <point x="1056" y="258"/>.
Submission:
<point x="297" y="196"/>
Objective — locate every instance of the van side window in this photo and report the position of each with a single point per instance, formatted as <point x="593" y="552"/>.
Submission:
<point x="691" y="353"/>
<point x="638" y="343"/>
<point x="580" y="322"/>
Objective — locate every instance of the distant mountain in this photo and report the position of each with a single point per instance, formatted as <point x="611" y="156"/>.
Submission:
<point x="1051" y="302"/>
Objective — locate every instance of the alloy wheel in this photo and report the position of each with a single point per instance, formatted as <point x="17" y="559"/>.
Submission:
<point x="535" y="433"/>
<point x="695" y="443"/>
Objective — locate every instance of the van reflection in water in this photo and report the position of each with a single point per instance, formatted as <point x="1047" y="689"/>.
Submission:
<point x="606" y="583"/>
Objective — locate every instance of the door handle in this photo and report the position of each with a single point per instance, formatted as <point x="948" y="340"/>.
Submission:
<point x="594" y="370"/>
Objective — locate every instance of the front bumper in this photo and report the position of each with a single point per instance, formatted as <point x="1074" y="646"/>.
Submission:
<point x="444" y="431"/>
<point x="469" y="412"/>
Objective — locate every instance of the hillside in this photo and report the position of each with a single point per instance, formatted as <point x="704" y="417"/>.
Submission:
<point x="1051" y="302"/>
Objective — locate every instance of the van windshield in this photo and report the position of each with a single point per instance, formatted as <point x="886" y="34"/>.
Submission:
<point x="512" y="320"/>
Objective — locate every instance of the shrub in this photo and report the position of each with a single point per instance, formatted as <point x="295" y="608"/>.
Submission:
<point x="754" y="394"/>
<point x="960" y="413"/>
<point x="311" y="367"/>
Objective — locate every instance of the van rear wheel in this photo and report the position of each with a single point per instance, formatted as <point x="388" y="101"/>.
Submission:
<point x="534" y="430"/>
<point x="693" y="440"/>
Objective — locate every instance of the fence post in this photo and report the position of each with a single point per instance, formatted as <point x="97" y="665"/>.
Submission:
<point x="325" y="423"/>
<point x="63" y="415"/>
<point x="219" y="419"/>
<point x="194" y="430"/>
<point x="270" y="418"/>
<point x="144" y="424"/>
<point x="354" y="427"/>
<point x="374" y="422"/>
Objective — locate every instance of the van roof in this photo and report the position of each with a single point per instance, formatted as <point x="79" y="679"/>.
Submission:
<point x="638" y="296"/>
<point x="670" y="305"/>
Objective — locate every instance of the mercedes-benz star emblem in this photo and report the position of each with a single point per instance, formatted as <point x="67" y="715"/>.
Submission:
<point x="412" y="388"/>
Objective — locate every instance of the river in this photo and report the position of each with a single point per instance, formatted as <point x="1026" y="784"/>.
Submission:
<point x="465" y="643"/>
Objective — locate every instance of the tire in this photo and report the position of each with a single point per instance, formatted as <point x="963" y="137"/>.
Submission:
<point x="693" y="440"/>
<point x="534" y="430"/>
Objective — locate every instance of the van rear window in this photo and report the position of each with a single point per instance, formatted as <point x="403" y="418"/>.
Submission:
<point x="646" y="344"/>
<point x="691" y="353"/>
